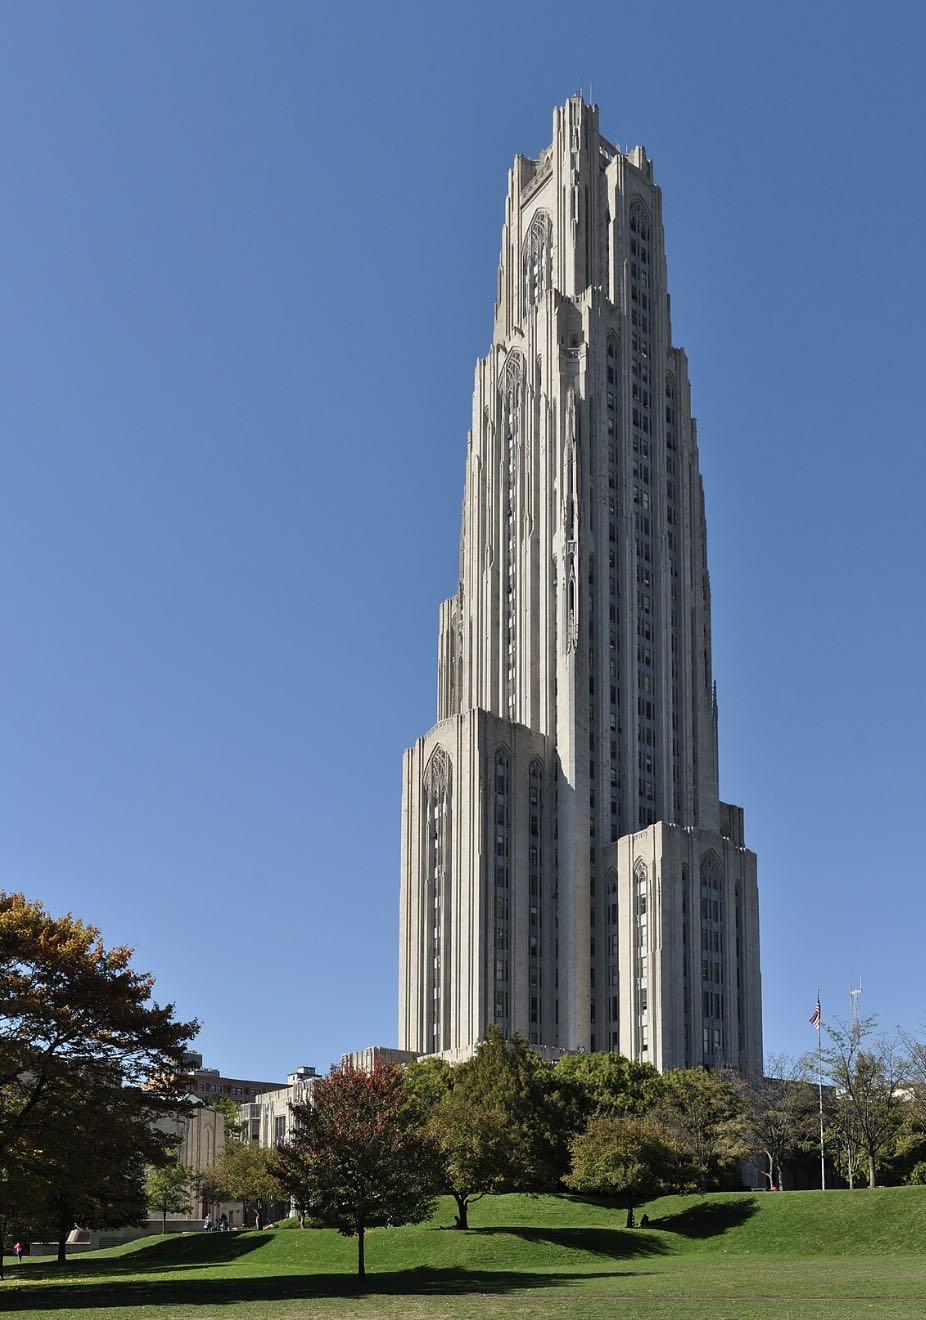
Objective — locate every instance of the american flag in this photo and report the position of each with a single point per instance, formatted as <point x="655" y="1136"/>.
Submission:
<point x="815" y="1020"/>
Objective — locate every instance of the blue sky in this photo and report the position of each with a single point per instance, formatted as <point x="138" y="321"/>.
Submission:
<point x="249" y="263"/>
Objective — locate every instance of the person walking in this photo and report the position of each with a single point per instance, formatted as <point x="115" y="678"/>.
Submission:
<point x="18" y="1249"/>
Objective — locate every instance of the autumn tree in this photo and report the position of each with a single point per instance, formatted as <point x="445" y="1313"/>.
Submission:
<point x="358" y="1154"/>
<point x="168" y="1190"/>
<point x="629" y="1159"/>
<point x="82" y="1045"/>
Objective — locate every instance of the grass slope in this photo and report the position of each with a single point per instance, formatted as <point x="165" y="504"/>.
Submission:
<point x="730" y="1255"/>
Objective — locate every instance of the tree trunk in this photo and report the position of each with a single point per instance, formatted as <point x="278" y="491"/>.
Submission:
<point x="462" y="1209"/>
<point x="871" y="1171"/>
<point x="63" y="1230"/>
<point x="1" y="1254"/>
<point x="361" y="1268"/>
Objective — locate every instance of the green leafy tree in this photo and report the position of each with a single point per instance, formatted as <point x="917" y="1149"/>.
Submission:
<point x="229" y="1110"/>
<point x="843" y="1140"/>
<point x="78" y="1178"/>
<point x="870" y="1076"/>
<point x="246" y="1172"/>
<point x="428" y="1081"/>
<point x="701" y="1111"/>
<point x="500" y="1124"/>
<point x="777" y="1113"/>
<point x="604" y="1085"/>
<point x="208" y="1187"/>
<point x="290" y="1170"/>
<point x="168" y="1190"/>
<point x="629" y="1159"/>
<point x="79" y="1036"/>
<point x="479" y="1155"/>
<point x="358" y="1155"/>
<point x="507" y="1076"/>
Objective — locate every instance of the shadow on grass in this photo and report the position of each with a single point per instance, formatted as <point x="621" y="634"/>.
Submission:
<point x="422" y="1282"/>
<point x="708" y="1219"/>
<point x="614" y="1243"/>
<point x="178" y="1253"/>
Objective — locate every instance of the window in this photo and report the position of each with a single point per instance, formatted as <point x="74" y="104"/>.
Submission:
<point x="536" y="260"/>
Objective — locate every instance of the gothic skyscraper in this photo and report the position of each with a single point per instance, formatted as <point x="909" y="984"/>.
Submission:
<point x="568" y="870"/>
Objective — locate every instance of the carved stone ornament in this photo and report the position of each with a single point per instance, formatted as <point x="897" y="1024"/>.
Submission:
<point x="437" y="774"/>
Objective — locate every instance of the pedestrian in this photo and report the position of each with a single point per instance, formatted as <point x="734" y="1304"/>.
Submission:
<point x="644" y="1222"/>
<point x="258" y="1220"/>
<point x="18" y="1249"/>
<point x="223" y="1223"/>
<point x="207" y="1224"/>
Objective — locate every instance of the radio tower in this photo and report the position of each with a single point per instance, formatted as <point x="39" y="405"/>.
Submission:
<point x="854" y="996"/>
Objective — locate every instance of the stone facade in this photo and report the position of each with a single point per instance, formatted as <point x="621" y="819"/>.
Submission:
<point x="575" y="753"/>
<point x="268" y="1118"/>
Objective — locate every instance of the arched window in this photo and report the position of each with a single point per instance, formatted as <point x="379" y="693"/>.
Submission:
<point x="536" y="260"/>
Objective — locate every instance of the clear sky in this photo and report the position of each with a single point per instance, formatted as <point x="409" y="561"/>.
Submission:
<point x="249" y="257"/>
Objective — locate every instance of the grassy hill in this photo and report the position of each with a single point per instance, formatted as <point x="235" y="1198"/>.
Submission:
<point x="824" y="1254"/>
<point x="517" y="1231"/>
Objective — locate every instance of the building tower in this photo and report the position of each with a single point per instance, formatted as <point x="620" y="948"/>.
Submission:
<point x="568" y="871"/>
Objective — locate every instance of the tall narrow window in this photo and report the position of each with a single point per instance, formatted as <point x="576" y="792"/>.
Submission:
<point x="536" y="260"/>
<point x="502" y="834"/>
<point x="438" y="917"/>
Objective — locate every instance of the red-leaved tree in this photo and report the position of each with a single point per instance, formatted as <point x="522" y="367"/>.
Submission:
<point x="358" y="1158"/>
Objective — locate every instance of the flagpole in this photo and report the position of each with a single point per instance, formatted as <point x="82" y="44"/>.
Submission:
<point x="820" y="1095"/>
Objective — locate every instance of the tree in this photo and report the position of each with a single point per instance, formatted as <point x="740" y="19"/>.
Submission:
<point x="246" y="1172"/>
<point x="604" y="1085"/>
<point x="498" y="1121"/>
<point x="90" y="1169"/>
<point x="869" y="1075"/>
<point x="358" y="1155"/>
<point x="631" y="1159"/>
<point x="777" y="1112"/>
<point x="229" y="1111"/>
<point x="507" y="1076"/>
<point x="290" y="1170"/>
<point x="168" y="1190"/>
<point x="80" y="1040"/>
<point x="428" y="1081"/>
<point x="475" y="1142"/>
<point x="842" y="1135"/>
<point x="700" y="1110"/>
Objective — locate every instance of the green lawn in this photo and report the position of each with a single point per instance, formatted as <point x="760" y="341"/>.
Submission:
<point x="730" y="1256"/>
